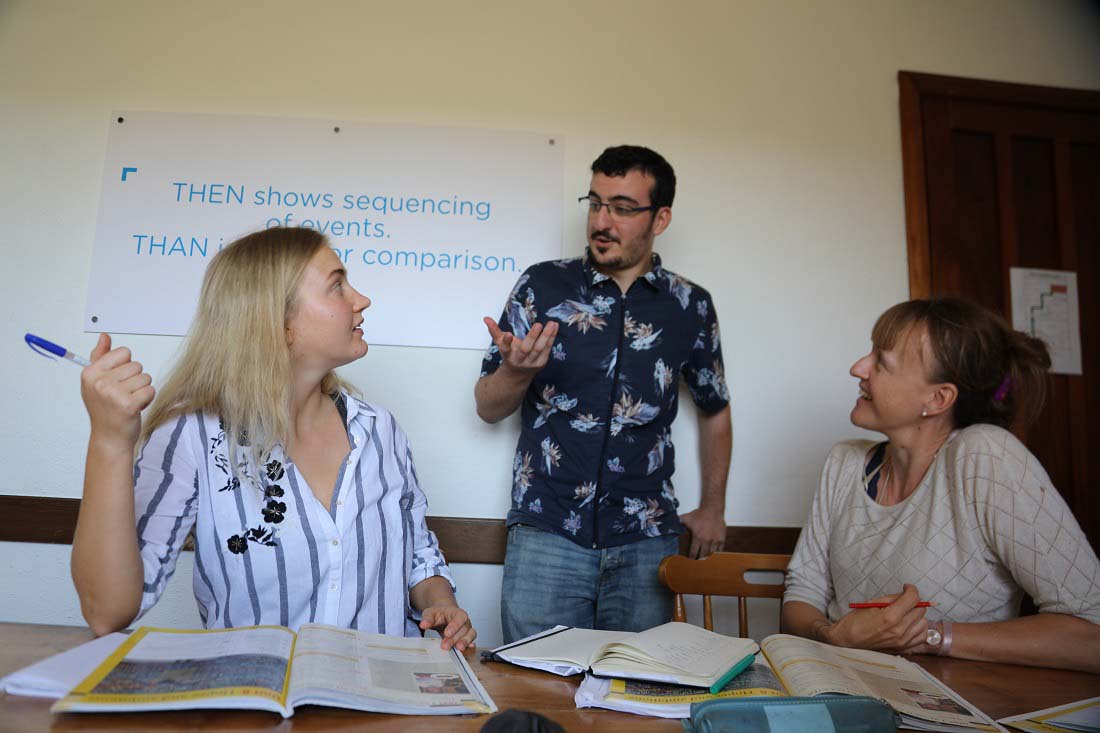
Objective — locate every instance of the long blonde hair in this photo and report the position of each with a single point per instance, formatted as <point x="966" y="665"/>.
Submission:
<point x="236" y="363"/>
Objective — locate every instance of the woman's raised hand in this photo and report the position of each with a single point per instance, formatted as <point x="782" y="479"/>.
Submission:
<point x="115" y="390"/>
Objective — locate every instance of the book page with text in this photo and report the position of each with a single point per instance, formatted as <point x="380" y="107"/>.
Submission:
<point x="676" y="648"/>
<point x="358" y="669"/>
<point x="810" y="668"/>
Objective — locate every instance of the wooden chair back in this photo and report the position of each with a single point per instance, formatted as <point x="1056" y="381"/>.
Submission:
<point x="720" y="574"/>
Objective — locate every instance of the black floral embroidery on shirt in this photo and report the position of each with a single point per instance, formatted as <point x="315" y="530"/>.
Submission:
<point x="242" y="439"/>
<point x="274" y="470"/>
<point x="274" y="511"/>
<point x="221" y="460"/>
<point x="261" y="535"/>
<point x="219" y="438"/>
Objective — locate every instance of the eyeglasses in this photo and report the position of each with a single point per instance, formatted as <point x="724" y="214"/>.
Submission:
<point x="615" y="210"/>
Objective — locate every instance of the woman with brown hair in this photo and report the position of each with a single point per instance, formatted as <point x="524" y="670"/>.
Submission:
<point x="951" y="509"/>
<point x="303" y="497"/>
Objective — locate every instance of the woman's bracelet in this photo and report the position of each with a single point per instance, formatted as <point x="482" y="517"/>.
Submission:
<point x="945" y="645"/>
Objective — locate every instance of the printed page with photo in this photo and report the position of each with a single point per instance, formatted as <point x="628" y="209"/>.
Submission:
<point x="809" y="668"/>
<point x="165" y="669"/>
<point x="350" y="669"/>
<point x="272" y="668"/>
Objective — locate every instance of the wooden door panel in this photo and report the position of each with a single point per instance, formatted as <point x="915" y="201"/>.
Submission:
<point x="1023" y="120"/>
<point x="972" y="228"/>
<point x="1035" y="203"/>
<point x="963" y="216"/>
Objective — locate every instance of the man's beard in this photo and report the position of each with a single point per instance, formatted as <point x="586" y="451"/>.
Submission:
<point x="617" y="262"/>
<point x="611" y="262"/>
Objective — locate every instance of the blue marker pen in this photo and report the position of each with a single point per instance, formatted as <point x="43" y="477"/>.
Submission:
<point x="38" y="345"/>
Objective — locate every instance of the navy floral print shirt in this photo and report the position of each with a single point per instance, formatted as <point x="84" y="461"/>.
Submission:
<point x="595" y="458"/>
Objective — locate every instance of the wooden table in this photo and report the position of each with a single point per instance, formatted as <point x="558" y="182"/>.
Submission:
<point x="998" y="689"/>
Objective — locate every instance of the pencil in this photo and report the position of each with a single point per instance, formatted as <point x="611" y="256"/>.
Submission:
<point x="882" y="604"/>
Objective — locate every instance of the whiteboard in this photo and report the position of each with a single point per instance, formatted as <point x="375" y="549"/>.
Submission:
<point x="434" y="224"/>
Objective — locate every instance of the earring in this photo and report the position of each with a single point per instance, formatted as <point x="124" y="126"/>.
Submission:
<point x="924" y="413"/>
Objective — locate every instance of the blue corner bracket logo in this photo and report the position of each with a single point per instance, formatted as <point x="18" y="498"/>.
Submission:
<point x="127" y="170"/>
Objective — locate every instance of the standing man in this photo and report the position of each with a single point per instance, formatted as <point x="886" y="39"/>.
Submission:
<point x="593" y="348"/>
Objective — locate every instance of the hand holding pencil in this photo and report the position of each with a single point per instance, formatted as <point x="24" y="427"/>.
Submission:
<point x="890" y="623"/>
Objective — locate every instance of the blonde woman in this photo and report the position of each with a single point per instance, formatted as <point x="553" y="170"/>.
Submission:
<point x="303" y="498"/>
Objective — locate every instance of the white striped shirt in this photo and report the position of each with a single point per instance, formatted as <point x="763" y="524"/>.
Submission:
<point x="267" y="551"/>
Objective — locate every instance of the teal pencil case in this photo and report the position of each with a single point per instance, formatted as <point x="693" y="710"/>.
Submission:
<point x="842" y="714"/>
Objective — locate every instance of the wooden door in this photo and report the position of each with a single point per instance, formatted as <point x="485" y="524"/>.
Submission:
<point x="1007" y="175"/>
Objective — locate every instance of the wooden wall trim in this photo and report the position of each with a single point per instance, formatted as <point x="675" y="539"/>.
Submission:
<point x="1061" y="98"/>
<point x="52" y="520"/>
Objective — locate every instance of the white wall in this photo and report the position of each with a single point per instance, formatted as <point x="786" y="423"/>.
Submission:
<point x="780" y="119"/>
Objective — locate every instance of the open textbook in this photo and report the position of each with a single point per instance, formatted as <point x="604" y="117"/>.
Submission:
<point x="804" y="668"/>
<point x="807" y="668"/>
<point x="673" y="652"/>
<point x="272" y="668"/>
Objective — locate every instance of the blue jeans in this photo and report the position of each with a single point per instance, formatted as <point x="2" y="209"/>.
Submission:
<point x="550" y="580"/>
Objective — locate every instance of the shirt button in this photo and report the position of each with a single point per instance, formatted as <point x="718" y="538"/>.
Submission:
<point x="335" y="543"/>
<point x="332" y="587"/>
<point x="339" y="503"/>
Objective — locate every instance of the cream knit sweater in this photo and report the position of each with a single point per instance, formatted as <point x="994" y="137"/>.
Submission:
<point x="984" y="527"/>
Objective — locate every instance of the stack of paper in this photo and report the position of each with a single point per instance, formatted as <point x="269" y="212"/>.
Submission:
<point x="56" y="675"/>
